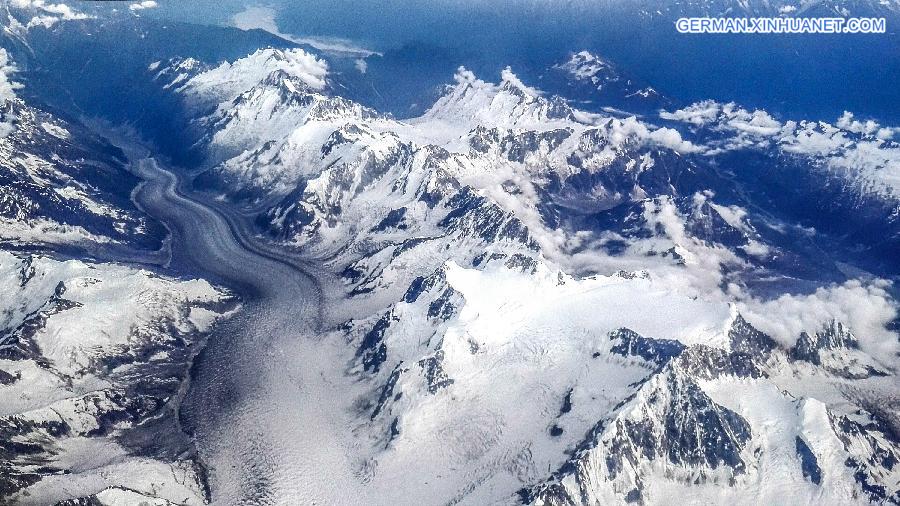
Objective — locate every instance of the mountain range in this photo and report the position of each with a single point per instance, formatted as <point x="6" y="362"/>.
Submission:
<point x="553" y="287"/>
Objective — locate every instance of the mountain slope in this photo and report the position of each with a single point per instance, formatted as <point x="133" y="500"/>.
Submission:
<point x="81" y="367"/>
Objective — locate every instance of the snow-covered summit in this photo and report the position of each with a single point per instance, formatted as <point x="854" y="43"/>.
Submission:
<point x="225" y="82"/>
<point x="256" y="100"/>
<point x="585" y="65"/>
<point x="508" y="104"/>
<point x="596" y="83"/>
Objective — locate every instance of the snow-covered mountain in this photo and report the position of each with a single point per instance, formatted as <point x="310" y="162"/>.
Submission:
<point x="88" y="354"/>
<point x="569" y="307"/>
<point x="595" y="82"/>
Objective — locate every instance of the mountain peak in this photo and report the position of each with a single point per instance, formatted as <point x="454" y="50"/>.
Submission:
<point x="225" y="82"/>
<point x="465" y="76"/>
<point x="511" y="103"/>
<point x="585" y="65"/>
<point x="512" y="84"/>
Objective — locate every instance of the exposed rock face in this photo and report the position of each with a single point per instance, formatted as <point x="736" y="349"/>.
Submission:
<point x="670" y="421"/>
<point x="718" y="437"/>
<point x="836" y="350"/>
<point x="658" y="351"/>
<point x="62" y="186"/>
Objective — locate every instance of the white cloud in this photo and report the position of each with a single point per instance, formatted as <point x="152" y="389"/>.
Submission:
<point x="758" y="123"/>
<point x="361" y="65"/>
<point x="146" y="4"/>
<point x="7" y="90"/>
<point x="618" y="131"/>
<point x="865" y="308"/>
<point x="699" y="114"/>
<point x="47" y="14"/>
<point x="252" y="18"/>
<point x="263" y="18"/>
<point x="7" y="87"/>
<point x="749" y="128"/>
<point x="334" y="45"/>
<point x="857" y="150"/>
<point x="671" y="139"/>
<point x="464" y="76"/>
<point x="848" y="122"/>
